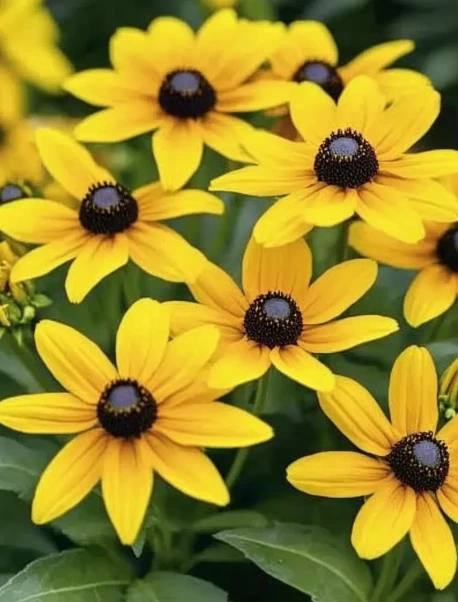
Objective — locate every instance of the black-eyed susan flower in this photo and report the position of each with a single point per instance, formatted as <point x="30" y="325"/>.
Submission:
<point x="354" y="160"/>
<point x="28" y="38"/>
<point x="111" y="225"/>
<point x="280" y="318"/>
<point x="184" y="85"/>
<point x="434" y="289"/>
<point x="308" y="53"/>
<point x="411" y="471"/>
<point x="151" y="414"/>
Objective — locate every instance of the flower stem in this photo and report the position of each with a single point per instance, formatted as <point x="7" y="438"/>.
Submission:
<point x="343" y="252"/>
<point x="226" y="228"/>
<point x="406" y="582"/>
<point x="242" y="454"/>
<point x="388" y="574"/>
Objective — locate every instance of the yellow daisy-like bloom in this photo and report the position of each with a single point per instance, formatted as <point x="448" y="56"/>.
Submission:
<point x="280" y="318"/>
<point x="151" y="413"/>
<point x="111" y="225"/>
<point x="412" y="470"/>
<point x="28" y="38"/>
<point x="353" y="161"/>
<point x="309" y="53"/>
<point x="434" y="289"/>
<point x="185" y="85"/>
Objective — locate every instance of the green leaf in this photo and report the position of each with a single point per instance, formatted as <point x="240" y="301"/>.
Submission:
<point x="73" y="576"/>
<point x="20" y="467"/>
<point x="307" y="558"/>
<point x="173" y="587"/>
<point x="230" y="519"/>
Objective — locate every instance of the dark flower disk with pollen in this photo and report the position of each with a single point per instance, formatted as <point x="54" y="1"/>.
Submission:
<point x="186" y="93"/>
<point x="108" y="208"/>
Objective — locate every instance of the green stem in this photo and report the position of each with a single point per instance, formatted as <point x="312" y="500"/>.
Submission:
<point x="130" y="284"/>
<point x="242" y="454"/>
<point x="344" y="248"/>
<point x="227" y="226"/>
<point x="388" y="575"/>
<point x="406" y="582"/>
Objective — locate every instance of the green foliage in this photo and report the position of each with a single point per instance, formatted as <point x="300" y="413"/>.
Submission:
<point x="173" y="587"/>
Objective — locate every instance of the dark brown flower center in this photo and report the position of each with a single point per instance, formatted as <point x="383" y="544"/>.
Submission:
<point x="420" y="461"/>
<point x="108" y="208"/>
<point x="346" y="159"/>
<point x="186" y="93"/>
<point x="323" y="74"/>
<point x="273" y="320"/>
<point x="447" y="248"/>
<point x="126" y="409"/>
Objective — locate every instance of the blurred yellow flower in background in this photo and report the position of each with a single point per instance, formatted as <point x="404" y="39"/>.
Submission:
<point x="183" y="84"/>
<point x="151" y="414"/>
<point x="280" y="318"/>
<point x="28" y="39"/>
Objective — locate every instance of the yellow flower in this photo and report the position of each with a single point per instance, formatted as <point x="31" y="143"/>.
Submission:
<point x="309" y="53"/>
<point x="183" y="84"/>
<point x="353" y="161"/>
<point x="279" y="318"/>
<point x="434" y="289"/>
<point x="7" y="260"/>
<point x="153" y="413"/>
<point x="28" y="38"/>
<point x="411" y="470"/>
<point x="112" y="224"/>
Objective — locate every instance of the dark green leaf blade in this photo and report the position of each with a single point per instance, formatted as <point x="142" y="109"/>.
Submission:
<point x="173" y="587"/>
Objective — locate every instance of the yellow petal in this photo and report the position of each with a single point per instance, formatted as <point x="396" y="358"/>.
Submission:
<point x="264" y="181"/>
<point x="211" y="425"/>
<point x="70" y="476"/>
<point x="127" y="482"/>
<point x="120" y="122"/>
<point x="390" y="211"/>
<point x="141" y="340"/>
<point x="346" y="333"/>
<point x="49" y="413"/>
<point x="275" y="150"/>
<point x="431" y="293"/>
<point x="337" y="289"/>
<point x="384" y="520"/>
<point x="185" y="357"/>
<point x="100" y="87"/>
<point x="171" y="43"/>
<point x="361" y="106"/>
<point x="395" y="83"/>
<point x="254" y="96"/>
<point x="156" y="204"/>
<point x="356" y="413"/>
<point x="302" y="367"/>
<point x="44" y="259"/>
<point x="376" y="58"/>
<point x="187" y="469"/>
<point x="283" y="222"/>
<point x="38" y="221"/>
<point x="69" y="163"/>
<point x="428" y="164"/>
<point x="311" y="129"/>
<point x="379" y="246"/>
<point x="99" y="257"/>
<point x="429" y="528"/>
<point x="177" y="148"/>
<point x="406" y="121"/>
<point x="224" y="134"/>
<point x="75" y="361"/>
<point x="413" y="392"/>
<point x="242" y="361"/>
<point x="329" y="205"/>
<point x="185" y="315"/>
<point x="216" y="289"/>
<point x="162" y="252"/>
<point x="447" y="495"/>
<point x="286" y="269"/>
<point x="337" y="474"/>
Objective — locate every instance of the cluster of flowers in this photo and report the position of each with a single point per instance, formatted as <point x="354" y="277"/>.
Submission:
<point x="347" y="132"/>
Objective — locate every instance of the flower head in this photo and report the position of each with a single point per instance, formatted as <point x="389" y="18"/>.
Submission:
<point x="152" y="413"/>
<point x="110" y="225"/>
<point x="308" y="53"/>
<point x="411" y="472"/>
<point x="354" y="160"/>
<point x="183" y="84"/>
<point x="28" y="38"/>
<point x="280" y="318"/>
